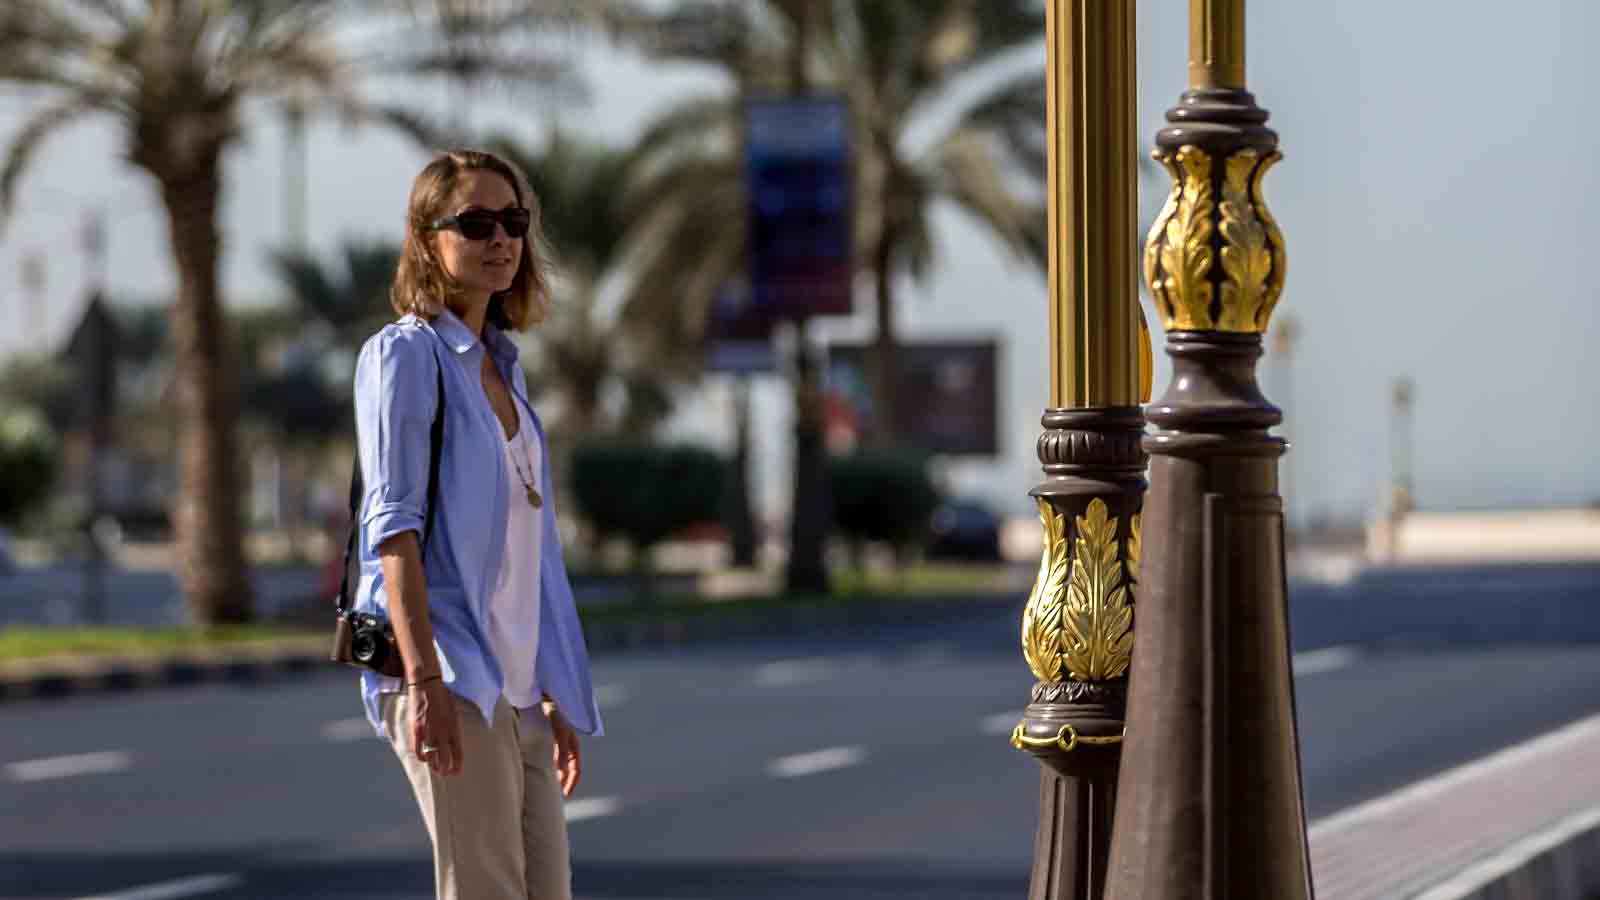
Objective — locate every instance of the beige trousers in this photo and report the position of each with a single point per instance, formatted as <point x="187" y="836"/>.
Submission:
<point x="498" y="829"/>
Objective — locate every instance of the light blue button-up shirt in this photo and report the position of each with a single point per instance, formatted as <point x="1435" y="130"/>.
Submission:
<point x="396" y="394"/>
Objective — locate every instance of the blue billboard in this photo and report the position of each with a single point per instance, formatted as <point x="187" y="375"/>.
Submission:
<point x="797" y="158"/>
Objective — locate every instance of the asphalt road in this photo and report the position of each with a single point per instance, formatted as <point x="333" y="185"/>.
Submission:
<point x="873" y="765"/>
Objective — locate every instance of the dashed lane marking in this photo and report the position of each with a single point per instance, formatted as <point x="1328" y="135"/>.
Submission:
<point x="193" y="886"/>
<point x="817" y="761"/>
<point x="68" y="766"/>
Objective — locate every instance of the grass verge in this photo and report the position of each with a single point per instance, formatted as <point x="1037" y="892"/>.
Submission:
<point x="851" y="587"/>
<point x="31" y="642"/>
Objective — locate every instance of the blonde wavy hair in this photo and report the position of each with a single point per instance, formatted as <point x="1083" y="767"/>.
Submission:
<point x="421" y="284"/>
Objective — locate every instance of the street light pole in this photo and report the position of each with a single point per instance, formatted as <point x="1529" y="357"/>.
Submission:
<point x="1284" y="338"/>
<point x="1210" y="802"/>
<point x="1400" y="488"/>
<point x="1077" y="627"/>
<point x="810" y="514"/>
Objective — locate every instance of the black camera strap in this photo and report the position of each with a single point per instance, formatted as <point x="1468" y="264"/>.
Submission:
<point x="435" y="447"/>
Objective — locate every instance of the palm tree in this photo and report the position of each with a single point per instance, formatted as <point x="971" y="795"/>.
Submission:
<point x="176" y="77"/>
<point x="582" y="349"/>
<point x="893" y="60"/>
<point x="351" y="293"/>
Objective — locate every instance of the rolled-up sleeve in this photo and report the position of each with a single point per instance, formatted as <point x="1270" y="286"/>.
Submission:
<point x="396" y="393"/>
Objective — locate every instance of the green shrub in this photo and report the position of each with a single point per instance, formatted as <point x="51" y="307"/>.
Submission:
<point x="883" y="495"/>
<point x="647" y="493"/>
<point x="29" y="461"/>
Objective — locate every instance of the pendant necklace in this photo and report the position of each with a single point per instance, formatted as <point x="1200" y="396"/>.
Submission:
<point x="529" y="491"/>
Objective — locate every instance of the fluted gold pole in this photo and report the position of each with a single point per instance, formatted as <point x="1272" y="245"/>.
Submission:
<point x="1093" y="142"/>
<point x="1216" y="44"/>
<point x="1209" y="803"/>
<point x="1077" y="634"/>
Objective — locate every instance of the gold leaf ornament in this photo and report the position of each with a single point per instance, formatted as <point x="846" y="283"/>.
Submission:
<point x="1135" y="548"/>
<point x="1153" y="244"/>
<point x="1280" y="254"/>
<point x="1179" y="257"/>
<point x="1097" y="643"/>
<point x="1041" y="618"/>
<point x="1246" y="257"/>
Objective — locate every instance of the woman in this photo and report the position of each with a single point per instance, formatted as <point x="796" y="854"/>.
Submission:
<point x="496" y="686"/>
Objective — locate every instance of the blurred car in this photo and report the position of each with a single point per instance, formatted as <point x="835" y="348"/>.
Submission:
<point x="964" y="530"/>
<point x="143" y="523"/>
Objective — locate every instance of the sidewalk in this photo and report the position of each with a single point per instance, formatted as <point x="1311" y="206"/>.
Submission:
<point x="1517" y="819"/>
<point x="1425" y="538"/>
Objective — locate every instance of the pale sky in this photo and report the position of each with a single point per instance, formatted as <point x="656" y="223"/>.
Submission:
<point x="1436" y="195"/>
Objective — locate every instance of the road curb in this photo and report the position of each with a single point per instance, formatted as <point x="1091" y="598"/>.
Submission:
<point x="1561" y="862"/>
<point x="65" y="676"/>
<point x="62" y="677"/>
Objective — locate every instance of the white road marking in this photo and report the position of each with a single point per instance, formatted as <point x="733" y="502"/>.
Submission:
<point x="176" y="889"/>
<point x="610" y="696"/>
<point x="817" y="761"/>
<point x="784" y="672"/>
<point x="1312" y="662"/>
<point x="348" y="730"/>
<point x="68" y="766"/>
<point x="591" y="808"/>
<point x="1315" y="662"/>
<point x="1001" y="723"/>
<point x="1353" y="817"/>
<point x="1469" y="882"/>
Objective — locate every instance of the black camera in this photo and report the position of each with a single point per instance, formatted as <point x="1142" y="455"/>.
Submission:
<point x="363" y="639"/>
<point x="370" y="640"/>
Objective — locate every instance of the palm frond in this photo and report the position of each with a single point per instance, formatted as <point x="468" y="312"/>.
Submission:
<point x="683" y="252"/>
<point x="40" y="46"/>
<point x="423" y="130"/>
<point x="578" y="185"/>
<point x="720" y="33"/>
<point x="480" y="43"/>
<point x="971" y="176"/>
<point x="307" y="283"/>
<point x="345" y="294"/>
<point x="512" y="69"/>
<point x="114" y="12"/>
<point x="692" y="123"/>
<point x="30" y="138"/>
<point x="1015" y="111"/>
<point x="682" y="183"/>
<point x="1005" y="24"/>
<point x="41" y="26"/>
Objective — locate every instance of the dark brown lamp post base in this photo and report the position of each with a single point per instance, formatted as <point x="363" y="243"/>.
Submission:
<point x="1210" y="805"/>
<point x="1069" y="848"/>
<point x="1077" y="636"/>
<point x="1078" y="628"/>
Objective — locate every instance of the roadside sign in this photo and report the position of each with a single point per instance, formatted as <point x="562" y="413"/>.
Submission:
<point x="798" y="165"/>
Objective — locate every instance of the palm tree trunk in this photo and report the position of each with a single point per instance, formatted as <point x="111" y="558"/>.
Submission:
<point x="742" y="539"/>
<point x="880" y="358"/>
<point x="210" y="552"/>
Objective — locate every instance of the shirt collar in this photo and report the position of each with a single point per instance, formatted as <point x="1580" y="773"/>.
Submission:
<point x="460" y="338"/>
<point x="500" y="346"/>
<point x="454" y="332"/>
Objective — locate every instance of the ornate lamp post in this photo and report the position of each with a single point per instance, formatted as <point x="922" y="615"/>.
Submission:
<point x="1210" y="802"/>
<point x="1077" y="628"/>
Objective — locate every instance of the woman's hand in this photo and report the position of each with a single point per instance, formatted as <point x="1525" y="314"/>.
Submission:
<point x="435" y="730"/>
<point x="568" y="758"/>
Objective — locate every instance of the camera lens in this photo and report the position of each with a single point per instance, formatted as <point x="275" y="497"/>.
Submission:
<point x="367" y="649"/>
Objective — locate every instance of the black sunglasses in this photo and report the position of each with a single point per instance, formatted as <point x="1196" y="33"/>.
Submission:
<point x="478" y="224"/>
